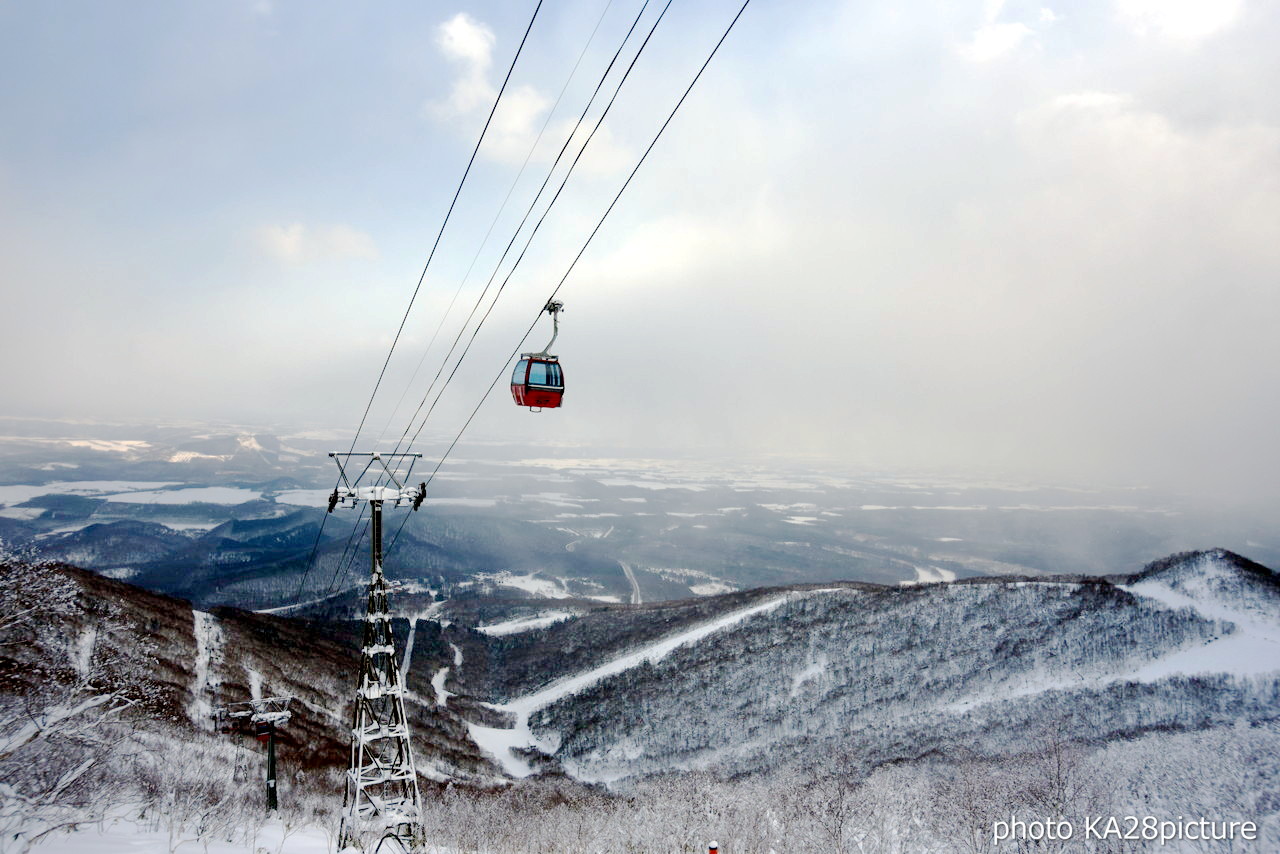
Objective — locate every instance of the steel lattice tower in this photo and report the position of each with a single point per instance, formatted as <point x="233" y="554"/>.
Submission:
<point x="381" y="783"/>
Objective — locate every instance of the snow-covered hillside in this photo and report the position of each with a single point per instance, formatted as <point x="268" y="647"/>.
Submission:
<point x="108" y="693"/>
<point x="900" y="673"/>
<point x="918" y="713"/>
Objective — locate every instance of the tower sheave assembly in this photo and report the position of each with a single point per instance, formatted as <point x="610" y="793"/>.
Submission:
<point x="261" y="717"/>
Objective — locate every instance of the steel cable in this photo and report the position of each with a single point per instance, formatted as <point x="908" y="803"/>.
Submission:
<point x="382" y="373"/>
<point x="493" y="224"/>
<point x="578" y="257"/>
<point x="520" y="227"/>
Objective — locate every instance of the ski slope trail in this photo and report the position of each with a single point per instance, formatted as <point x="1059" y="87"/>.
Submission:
<point x="635" y="585"/>
<point x="525" y="624"/>
<point x="408" y="649"/>
<point x="500" y="743"/>
<point x="1208" y="607"/>
<point x="296" y="606"/>
<point x="430" y="614"/>
<point x="209" y="641"/>
<point x="437" y="681"/>
<point x="1249" y="648"/>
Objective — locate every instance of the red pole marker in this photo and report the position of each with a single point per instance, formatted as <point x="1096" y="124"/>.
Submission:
<point x="713" y="848"/>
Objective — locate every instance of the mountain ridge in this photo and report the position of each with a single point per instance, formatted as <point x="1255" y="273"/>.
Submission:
<point x="1093" y="645"/>
<point x="782" y="675"/>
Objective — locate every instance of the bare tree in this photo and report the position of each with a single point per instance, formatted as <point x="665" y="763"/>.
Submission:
<point x="60" y="719"/>
<point x="969" y="797"/>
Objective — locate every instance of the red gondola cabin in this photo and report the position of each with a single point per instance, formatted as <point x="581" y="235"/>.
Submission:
<point x="538" y="382"/>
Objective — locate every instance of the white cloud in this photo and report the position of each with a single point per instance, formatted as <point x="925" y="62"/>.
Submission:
<point x="465" y="39"/>
<point x="296" y="243"/>
<point x="520" y="116"/>
<point x="1138" y="259"/>
<point x="997" y="38"/>
<point x="1086" y="100"/>
<point x="343" y="241"/>
<point x="469" y="44"/>
<point x="1155" y="204"/>
<point x="283" y="242"/>
<point x="670" y="251"/>
<point x="1207" y="190"/>
<point x="1183" y="21"/>
<point x="1097" y="293"/>
<point x="606" y="155"/>
<point x="1095" y="284"/>
<point x="516" y="124"/>
<point x="992" y="41"/>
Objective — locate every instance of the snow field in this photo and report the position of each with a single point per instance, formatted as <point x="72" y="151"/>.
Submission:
<point x="190" y="495"/>
<point x="21" y="493"/>
<point x="543" y="588"/>
<point x="122" y="836"/>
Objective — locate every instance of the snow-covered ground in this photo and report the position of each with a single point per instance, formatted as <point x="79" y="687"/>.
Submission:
<point x="192" y="495"/>
<point x="711" y="588"/>
<point x="930" y="574"/>
<point x="131" y="492"/>
<point x="1198" y="593"/>
<point x="650" y="484"/>
<point x="20" y="493"/>
<point x="636" y="599"/>
<point x="546" y="588"/>
<point x="557" y="499"/>
<point x="524" y="624"/>
<point x="303" y="497"/>
<point x="295" y="606"/>
<point x="813" y="670"/>
<point x="1253" y="649"/>
<point x="122" y="836"/>
<point x="209" y="640"/>
<point x="25" y="513"/>
<point x="115" y="446"/>
<point x="437" y="684"/>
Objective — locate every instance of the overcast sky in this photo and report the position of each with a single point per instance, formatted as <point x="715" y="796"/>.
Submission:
<point x="1040" y="238"/>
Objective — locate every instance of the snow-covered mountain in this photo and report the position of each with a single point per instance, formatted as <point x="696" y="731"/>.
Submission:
<point x="917" y="684"/>
<point x="893" y="674"/>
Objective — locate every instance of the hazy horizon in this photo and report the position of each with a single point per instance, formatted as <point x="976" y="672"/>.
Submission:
<point x="159" y="437"/>
<point x="1002" y="237"/>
